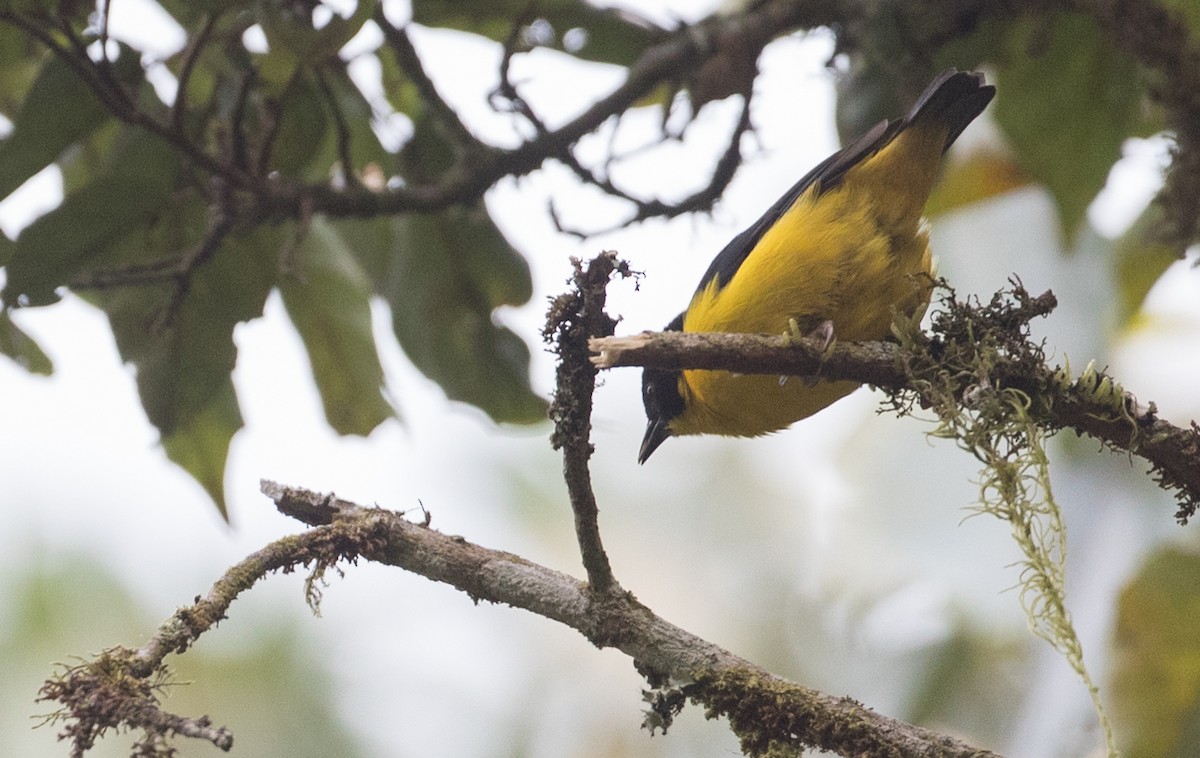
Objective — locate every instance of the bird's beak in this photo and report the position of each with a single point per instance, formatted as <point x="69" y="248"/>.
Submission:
<point x="656" y="432"/>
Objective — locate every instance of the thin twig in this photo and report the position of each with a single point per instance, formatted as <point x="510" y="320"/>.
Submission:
<point x="196" y="45"/>
<point x="239" y="154"/>
<point x="683" y="50"/>
<point x="701" y="200"/>
<point x="406" y="55"/>
<point x="506" y="90"/>
<point x="119" y="105"/>
<point x="340" y="127"/>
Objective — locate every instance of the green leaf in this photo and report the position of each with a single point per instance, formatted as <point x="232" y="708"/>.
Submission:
<point x="303" y="124"/>
<point x="606" y="35"/>
<point x="443" y="275"/>
<point x="58" y="111"/>
<point x="328" y="298"/>
<point x="290" y="27"/>
<point x="190" y="11"/>
<point x="1067" y="107"/>
<point x="61" y="243"/>
<point x="357" y="114"/>
<point x="184" y="357"/>
<point x="19" y="346"/>
<point x="1189" y="10"/>
<point x="200" y="443"/>
<point x="65" y="241"/>
<point x="182" y="366"/>
<point x="19" y="59"/>
<point x="1156" y="675"/>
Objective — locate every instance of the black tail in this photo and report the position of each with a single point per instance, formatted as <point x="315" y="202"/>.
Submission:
<point x="953" y="99"/>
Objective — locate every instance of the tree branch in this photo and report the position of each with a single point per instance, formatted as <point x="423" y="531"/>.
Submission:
<point x="406" y="56"/>
<point x="764" y="710"/>
<point x="1093" y="404"/>
<point x="575" y="317"/>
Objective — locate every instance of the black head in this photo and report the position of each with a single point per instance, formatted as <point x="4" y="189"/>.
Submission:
<point x="660" y="396"/>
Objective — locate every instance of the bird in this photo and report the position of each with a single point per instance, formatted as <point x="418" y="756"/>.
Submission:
<point x="839" y="254"/>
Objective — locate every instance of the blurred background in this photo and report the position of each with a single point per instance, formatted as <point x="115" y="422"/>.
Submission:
<point x="837" y="553"/>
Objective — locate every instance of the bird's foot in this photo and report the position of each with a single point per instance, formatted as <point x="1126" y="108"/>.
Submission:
<point x="824" y="332"/>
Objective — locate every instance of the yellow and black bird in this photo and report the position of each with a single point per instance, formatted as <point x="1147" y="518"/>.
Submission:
<point x="843" y="249"/>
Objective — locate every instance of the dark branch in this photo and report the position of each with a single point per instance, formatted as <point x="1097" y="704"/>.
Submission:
<point x="574" y="318"/>
<point x="196" y="45"/>
<point x="406" y="55"/>
<point x="684" y="50"/>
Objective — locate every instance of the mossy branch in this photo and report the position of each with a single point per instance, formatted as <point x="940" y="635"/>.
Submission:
<point x="119" y="688"/>
<point x="923" y="370"/>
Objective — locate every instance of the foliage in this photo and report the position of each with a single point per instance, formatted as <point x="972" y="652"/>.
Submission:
<point x="266" y="171"/>
<point x="1156" y="679"/>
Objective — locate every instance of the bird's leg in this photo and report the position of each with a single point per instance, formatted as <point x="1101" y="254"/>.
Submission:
<point x="824" y="332"/>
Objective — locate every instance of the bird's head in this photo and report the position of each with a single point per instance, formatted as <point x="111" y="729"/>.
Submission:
<point x="660" y="396"/>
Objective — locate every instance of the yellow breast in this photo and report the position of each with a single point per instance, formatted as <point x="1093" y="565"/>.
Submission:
<point x="854" y="255"/>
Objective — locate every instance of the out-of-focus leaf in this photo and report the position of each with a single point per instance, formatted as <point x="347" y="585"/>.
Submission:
<point x="302" y="125"/>
<point x="328" y="300"/>
<point x="1156" y="675"/>
<point x="1140" y="258"/>
<point x="443" y="275"/>
<point x="184" y="365"/>
<point x="290" y="27"/>
<point x="200" y="443"/>
<point x="981" y="175"/>
<point x="1189" y="10"/>
<point x="19" y="346"/>
<point x="606" y="35"/>
<point x="64" y="241"/>
<point x="966" y="680"/>
<point x="877" y="87"/>
<point x="222" y="58"/>
<point x="295" y="43"/>
<point x="19" y="59"/>
<point x="1067" y="100"/>
<point x="58" y="111"/>
<point x="189" y="11"/>
<point x="59" y="244"/>
<point x="365" y="148"/>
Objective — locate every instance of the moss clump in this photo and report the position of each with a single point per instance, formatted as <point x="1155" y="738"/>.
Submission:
<point x="985" y="378"/>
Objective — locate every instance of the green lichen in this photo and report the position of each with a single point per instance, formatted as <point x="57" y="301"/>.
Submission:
<point x="773" y="718"/>
<point x="985" y="379"/>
